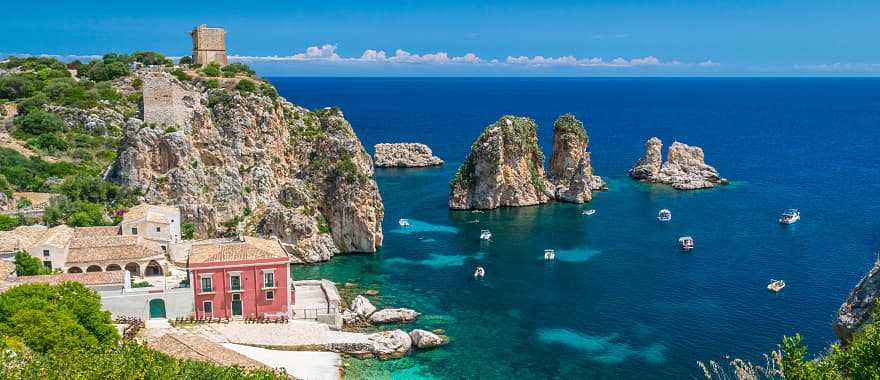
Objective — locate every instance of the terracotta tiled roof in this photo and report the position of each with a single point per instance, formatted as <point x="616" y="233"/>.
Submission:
<point x="193" y="347"/>
<point x="58" y="236"/>
<point x="93" y="278"/>
<point x="26" y="236"/>
<point x="83" y="232"/>
<point x="237" y="249"/>
<point x="105" y="248"/>
<point x="150" y="212"/>
<point x="6" y="269"/>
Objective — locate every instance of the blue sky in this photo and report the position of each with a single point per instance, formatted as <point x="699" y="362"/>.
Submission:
<point x="473" y="38"/>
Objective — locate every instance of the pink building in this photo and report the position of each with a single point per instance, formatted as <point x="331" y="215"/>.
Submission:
<point x="240" y="277"/>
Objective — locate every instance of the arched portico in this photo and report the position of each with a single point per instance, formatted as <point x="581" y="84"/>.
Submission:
<point x="94" y="268"/>
<point x="74" y="270"/>
<point x="133" y="268"/>
<point x="113" y="268"/>
<point x="153" y="269"/>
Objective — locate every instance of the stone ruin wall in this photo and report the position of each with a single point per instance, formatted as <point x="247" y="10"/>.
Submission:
<point x="166" y="102"/>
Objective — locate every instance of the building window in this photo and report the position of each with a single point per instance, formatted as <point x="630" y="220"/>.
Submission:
<point x="207" y="284"/>
<point x="270" y="295"/>
<point x="158" y="229"/>
<point x="45" y="253"/>
<point x="134" y="230"/>
<point x="235" y="282"/>
<point x="268" y="279"/>
<point x="47" y="264"/>
<point x="208" y="307"/>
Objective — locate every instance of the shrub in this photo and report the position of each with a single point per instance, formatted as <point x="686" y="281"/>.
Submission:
<point x="187" y="231"/>
<point x="135" y="97"/>
<point x="74" y="213"/>
<point x="49" y="142"/>
<point x="185" y="60"/>
<point x="92" y="189"/>
<point x="137" y="83"/>
<point x="106" y="91"/>
<point x="141" y="284"/>
<point x="32" y="103"/>
<point x="8" y="223"/>
<point x="27" y="265"/>
<point x="16" y="87"/>
<point x="150" y="58"/>
<point x="212" y="69"/>
<point x="39" y="122"/>
<point x="245" y="86"/>
<point x="180" y="75"/>
<point x="100" y="71"/>
<point x="269" y="90"/>
<point x="237" y="68"/>
<point x="213" y="83"/>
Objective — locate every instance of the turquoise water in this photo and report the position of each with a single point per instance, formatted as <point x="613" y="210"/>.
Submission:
<point x="621" y="300"/>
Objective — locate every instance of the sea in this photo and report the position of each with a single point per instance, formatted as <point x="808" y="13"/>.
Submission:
<point x="621" y="300"/>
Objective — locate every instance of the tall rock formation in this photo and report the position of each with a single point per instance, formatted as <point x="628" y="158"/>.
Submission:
<point x="258" y="164"/>
<point x="684" y="169"/>
<point x="505" y="167"/>
<point x="859" y="307"/>
<point x="570" y="170"/>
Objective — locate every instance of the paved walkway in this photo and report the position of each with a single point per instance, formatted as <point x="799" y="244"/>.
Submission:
<point x="304" y="365"/>
<point x="295" y="335"/>
<point x="309" y="296"/>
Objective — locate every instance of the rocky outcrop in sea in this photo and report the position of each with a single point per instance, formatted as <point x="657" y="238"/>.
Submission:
<point x="858" y="309"/>
<point x="684" y="169"/>
<point x="505" y="167"/>
<point x="405" y="155"/>
<point x="253" y="163"/>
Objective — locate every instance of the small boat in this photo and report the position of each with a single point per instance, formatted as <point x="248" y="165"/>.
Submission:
<point x="485" y="235"/>
<point x="588" y="212"/>
<point x="549" y="254"/>
<point x="664" y="215"/>
<point x="775" y="285"/>
<point x="403" y="222"/>
<point x="479" y="272"/>
<point x="686" y="243"/>
<point x="474" y="221"/>
<point x="790" y="216"/>
<point x="477" y="211"/>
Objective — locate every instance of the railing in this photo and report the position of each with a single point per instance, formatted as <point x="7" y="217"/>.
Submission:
<point x="313" y="313"/>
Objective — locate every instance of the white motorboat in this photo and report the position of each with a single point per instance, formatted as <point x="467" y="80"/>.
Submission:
<point x="479" y="272"/>
<point x="790" y="216"/>
<point x="664" y="215"/>
<point x="588" y="212"/>
<point x="403" y="222"/>
<point x="549" y="254"/>
<point x="485" y="235"/>
<point x="686" y="243"/>
<point x="775" y="285"/>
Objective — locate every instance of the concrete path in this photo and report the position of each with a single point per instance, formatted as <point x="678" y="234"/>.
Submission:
<point x="309" y="297"/>
<point x="306" y="365"/>
<point x="295" y="335"/>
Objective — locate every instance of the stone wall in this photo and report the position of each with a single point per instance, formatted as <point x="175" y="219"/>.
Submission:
<point x="136" y="303"/>
<point x="209" y="45"/>
<point x="166" y="101"/>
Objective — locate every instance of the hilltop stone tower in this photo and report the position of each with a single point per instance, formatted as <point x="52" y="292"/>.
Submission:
<point x="208" y="45"/>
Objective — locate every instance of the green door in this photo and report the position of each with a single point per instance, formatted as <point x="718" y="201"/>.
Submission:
<point x="157" y="308"/>
<point x="236" y="305"/>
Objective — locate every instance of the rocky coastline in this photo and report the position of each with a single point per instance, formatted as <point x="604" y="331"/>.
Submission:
<point x="505" y="167"/>
<point x="404" y="155"/>
<point x="685" y="167"/>
<point x="859" y="307"/>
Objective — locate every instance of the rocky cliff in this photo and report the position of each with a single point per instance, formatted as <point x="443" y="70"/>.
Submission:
<point x="685" y="167"/>
<point x="251" y="162"/>
<point x="859" y="307"/>
<point x="570" y="170"/>
<point x="505" y="167"/>
<point x="405" y="155"/>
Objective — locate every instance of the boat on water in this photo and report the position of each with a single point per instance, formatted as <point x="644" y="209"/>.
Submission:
<point x="790" y="216"/>
<point x="403" y="222"/>
<point x="549" y="254"/>
<point x="686" y="243"/>
<point x="485" y="235"/>
<point x="664" y="215"/>
<point x="479" y="272"/>
<point x="588" y="212"/>
<point x="775" y="285"/>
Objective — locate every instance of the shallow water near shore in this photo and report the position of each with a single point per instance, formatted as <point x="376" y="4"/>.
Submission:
<point x="621" y="300"/>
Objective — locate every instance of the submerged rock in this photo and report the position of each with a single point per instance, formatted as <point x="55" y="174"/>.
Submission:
<point x="427" y="339"/>
<point x="245" y="163"/>
<point x="405" y="155"/>
<point x="685" y="167"/>
<point x="570" y="169"/>
<point x="361" y="306"/>
<point x="859" y="306"/>
<point x="390" y="344"/>
<point x="394" y="316"/>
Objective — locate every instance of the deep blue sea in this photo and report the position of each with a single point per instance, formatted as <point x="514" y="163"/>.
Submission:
<point x="621" y="301"/>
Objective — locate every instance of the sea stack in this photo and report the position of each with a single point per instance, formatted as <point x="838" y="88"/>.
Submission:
<point x="570" y="170"/>
<point x="505" y="167"/>
<point x="405" y="155"/>
<point x="684" y="169"/>
<point x="858" y="308"/>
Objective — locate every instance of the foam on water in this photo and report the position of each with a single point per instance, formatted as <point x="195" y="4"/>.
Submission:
<point x="434" y="260"/>
<point x="418" y="226"/>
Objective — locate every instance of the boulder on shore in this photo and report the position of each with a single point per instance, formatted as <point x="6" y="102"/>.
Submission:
<point x="390" y="344"/>
<point x="685" y="167"/>
<point x="427" y="339"/>
<point x="859" y="306"/>
<point x="361" y="306"/>
<point x="405" y="155"/>
<point x="394" y="316"/>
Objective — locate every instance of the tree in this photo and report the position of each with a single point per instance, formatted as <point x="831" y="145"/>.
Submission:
<point x="27" y="265"/>
<point x="15" y="87"/>
<point x="8" y="223"/>
<point x="39" y="122"/>
<point x="187" y="231"/>
<point x="185" y="60"/>
<point x="91" y="189"/>
<point x="150" y="58"/>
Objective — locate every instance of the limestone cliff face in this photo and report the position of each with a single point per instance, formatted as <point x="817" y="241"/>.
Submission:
<point x="258" y="164"/>
<point x="685" y="167"/>
<point x="859" y="306"/>
<point x="571" y="172"/>
<point x="505" y="167"/>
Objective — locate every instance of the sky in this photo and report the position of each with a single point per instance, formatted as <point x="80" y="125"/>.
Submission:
<point x="453" y="37"/>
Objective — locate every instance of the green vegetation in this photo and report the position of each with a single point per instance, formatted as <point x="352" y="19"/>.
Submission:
<point x="181" y="75"/>
<point x="187" y="231"/>
<point x="27" y="265"/>
<point x="858" y="360"/>
<point x="8" y="223"/>
<point x="323" y="226"/>
<point x="57" y="332"/>
<point x="246" y="86"/>
<point x="185" y="60"/>
<point x="569" y="126"/>
<point x="268" y="90"/>
<point x="37" y="123"/>
<point x="211" y="83"/>
<point x="24" y="174"/>
<point x="212" y="69"/>
<point x="140" y="284"/>
<point x="234" y="69"/>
